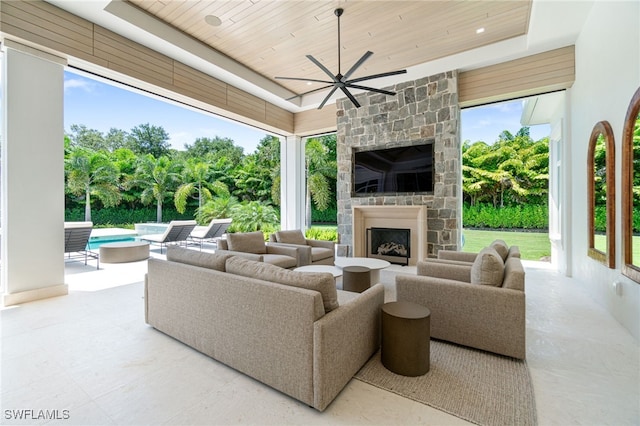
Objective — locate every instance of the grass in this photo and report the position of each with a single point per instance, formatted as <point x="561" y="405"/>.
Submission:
<point x="533" y="245"/>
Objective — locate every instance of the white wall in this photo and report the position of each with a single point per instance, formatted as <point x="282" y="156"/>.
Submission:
<point x="32" y="175"/>
<point x="607" y="75"/>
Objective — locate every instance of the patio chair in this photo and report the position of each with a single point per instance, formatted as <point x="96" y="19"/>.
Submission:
<point x="76" y="240"/>
<point x="216" y="229"/>
<point x="177" y="231"/>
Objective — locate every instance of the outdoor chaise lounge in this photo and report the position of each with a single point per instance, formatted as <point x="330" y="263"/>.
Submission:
<point x="177" y="231"/>
<point x="76" y="240"/>
<point x="216" y="229"/>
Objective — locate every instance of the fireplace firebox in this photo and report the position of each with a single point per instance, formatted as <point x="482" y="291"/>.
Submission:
<point x="390" y="244"/>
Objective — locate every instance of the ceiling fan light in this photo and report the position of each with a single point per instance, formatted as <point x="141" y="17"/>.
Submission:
<point x="480" y="30"/>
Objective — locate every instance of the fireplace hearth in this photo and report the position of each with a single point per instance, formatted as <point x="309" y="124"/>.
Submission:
<point x="390" y="244"/>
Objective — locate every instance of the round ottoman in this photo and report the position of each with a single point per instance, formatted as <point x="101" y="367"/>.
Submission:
<point x="122" y="252"/>
<point x="406" y="330"/>
<point x="356" y="278"/>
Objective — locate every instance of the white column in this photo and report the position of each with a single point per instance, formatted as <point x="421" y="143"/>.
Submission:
<point x="32" y="174"/>
<point x="292" y="187"/>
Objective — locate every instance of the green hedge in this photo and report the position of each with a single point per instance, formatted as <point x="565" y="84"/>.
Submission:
<point x="510" y="217"/>
<point x="330" y="215"/>
<point x="601" y="219"/>
<point x="119" y="216"/>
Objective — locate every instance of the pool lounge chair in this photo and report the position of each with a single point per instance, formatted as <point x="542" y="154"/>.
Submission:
<point x="177" y="232"/>
<point x="216" y="229"/>
<point x="76" y="241"/>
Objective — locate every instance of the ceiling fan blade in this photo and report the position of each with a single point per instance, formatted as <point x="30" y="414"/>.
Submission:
<point x="371" y="89"/>
<point x="323" y="68"/>
<point x="357" y="65"/>
<point x="327" y="97"/>
<point x="384" y="74"/>
<point x="310" y="91"/>
<point x="304" y="79"/>
<point x="350" y="96"/>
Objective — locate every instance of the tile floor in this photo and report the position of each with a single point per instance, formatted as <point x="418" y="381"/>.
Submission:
<point x="90" y="353"/>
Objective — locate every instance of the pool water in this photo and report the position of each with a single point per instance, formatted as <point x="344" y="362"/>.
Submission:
<point x="95" y="243"/>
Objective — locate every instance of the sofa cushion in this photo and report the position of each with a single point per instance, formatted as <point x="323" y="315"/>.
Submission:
<point x="197" y="258"/>
<point x="501" y="247"/>
<point x="249" y="242"/>
<point x="291" y="237"/>
<point x="487" y="269"/>
<point x="318" y="281"/>
<point x="513" y="274"/>
<point x="320" y="253"/>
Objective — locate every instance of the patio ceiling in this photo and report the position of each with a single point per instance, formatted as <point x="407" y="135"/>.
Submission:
<point x="258" y="40"/>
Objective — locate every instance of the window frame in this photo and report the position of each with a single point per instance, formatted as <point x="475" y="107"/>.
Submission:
<point x="628" y="269"/>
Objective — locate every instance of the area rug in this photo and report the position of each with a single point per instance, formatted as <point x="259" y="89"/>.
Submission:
<point x="476" y="386"/>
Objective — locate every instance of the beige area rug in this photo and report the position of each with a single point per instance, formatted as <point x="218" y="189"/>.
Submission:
<point x="477" y="386"/>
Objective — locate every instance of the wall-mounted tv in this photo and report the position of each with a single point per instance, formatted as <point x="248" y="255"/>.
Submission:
<point x="393" y="170"/>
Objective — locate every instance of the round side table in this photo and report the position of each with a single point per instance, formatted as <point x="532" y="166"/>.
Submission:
<point x="356" y="278"/>
<point x="406" y="331"/>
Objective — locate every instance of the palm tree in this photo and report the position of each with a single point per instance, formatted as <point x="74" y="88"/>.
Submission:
<point x="92" y="173"/>
<point x="220" y="207"/>
<point x="319" y="169"/>
<point x="254" y="216"/>
<point x="157" y="178"/>
<point x="196" y="179"/>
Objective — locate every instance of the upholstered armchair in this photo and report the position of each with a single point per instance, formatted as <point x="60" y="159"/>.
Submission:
<point x="479" y="304"/>
<point x="251" y="245"/>
<point x="312" y="252"/>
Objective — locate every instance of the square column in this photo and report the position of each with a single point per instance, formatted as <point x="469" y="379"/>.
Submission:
<point x="293" y="184"/>
<point x="32" y="175"/>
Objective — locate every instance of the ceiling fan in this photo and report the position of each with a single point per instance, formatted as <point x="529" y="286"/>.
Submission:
<point x="342" y="82"/>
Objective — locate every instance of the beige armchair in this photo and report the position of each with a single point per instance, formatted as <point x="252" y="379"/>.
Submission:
<point x="479" y="304"/>
<point x="251" y="245"/>
<point x="312" y="252"/>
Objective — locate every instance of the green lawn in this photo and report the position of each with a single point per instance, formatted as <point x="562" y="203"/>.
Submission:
<point x="533" y="245"/>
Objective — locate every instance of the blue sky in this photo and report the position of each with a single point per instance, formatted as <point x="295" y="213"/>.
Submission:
<point x="101" y="106"/>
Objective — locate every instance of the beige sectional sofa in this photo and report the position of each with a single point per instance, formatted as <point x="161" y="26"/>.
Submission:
<point x="290" y="330"/>
<point x="479" y="304"/>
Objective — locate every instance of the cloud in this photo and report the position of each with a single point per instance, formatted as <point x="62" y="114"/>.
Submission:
<point x="77" y="83"/>
<point x="178" y="139"/>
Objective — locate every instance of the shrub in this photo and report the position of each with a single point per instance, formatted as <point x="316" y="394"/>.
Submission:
<point x="527" y="216"/>
<point x="115" y="215"/>
<point x="322" y="233"/>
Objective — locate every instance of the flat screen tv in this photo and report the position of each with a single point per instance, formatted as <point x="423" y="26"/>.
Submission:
<point x="393" y="170"/>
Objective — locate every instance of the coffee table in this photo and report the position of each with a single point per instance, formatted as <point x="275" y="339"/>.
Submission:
<point x="374" y="264"/>
<point x="124" y="252"/>
<point x="336" y="272"/>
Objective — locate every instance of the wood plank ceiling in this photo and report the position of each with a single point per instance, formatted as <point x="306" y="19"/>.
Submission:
<point x="273" y="37"/>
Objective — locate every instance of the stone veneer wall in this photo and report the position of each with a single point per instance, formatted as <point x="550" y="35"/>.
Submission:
<point x="423" y="110"/>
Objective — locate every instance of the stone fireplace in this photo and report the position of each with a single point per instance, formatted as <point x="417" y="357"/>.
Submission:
<point x="424" y="110"/>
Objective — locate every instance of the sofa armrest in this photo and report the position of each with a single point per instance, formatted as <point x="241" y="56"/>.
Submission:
<point x="453" y="270"/>
<point x="331" y="245"/>
<point x="484" y="317"/>
<point x="303" y="253"/>
<point x="250" y="256"/>
<point x="343" y="341"/>
<point x="457" y="255"/>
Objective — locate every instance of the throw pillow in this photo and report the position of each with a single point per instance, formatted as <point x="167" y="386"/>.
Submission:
<point x="291" y="237"/>
<point x="197" y="258"/>
<point x="501" y="247"/>
<point x="248" y="242"/>
<point x="488" y="268"/>
<point x="513" y="274"/>
<point x="321" y="282"/>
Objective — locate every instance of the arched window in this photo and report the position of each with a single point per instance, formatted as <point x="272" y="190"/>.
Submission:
<point x="601" y="185"/>
<point x="631" y="189"/>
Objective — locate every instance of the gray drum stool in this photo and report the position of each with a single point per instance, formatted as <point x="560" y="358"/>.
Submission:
<point x="122" y="252"/>
<point x="356" y="278"/>
<point x="406" y="331"/>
